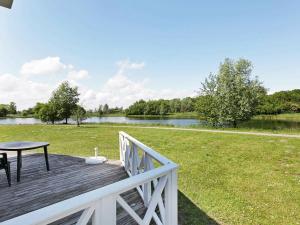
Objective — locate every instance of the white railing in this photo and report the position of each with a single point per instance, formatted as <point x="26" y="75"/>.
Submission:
<point x="153" y="176"/>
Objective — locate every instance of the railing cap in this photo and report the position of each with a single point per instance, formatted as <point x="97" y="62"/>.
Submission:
<point x="163" y="160"/>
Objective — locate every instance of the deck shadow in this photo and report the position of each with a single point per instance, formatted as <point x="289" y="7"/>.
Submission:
<point x="190" y="214"/>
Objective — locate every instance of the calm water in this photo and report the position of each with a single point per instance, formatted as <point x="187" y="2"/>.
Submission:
<point x="163" y="121"/>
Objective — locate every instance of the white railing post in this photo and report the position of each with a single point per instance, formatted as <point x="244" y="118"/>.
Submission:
<point x="105" y="211"/>
<point x="127" y="154"/>
<point x="171" y="201"/>
<point x="121" y="148"/>
<point x="147" y="186"/>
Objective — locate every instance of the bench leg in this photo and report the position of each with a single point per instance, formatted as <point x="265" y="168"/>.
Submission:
<point x="7" y="170"/>
<point x="46" y="157"/>
<point x="19" y="165"/>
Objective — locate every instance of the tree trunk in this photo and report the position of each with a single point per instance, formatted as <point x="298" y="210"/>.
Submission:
<point x="234" y="124"/>
<point x="66" y="120"/>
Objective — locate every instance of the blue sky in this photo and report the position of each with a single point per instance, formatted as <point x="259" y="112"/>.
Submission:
<point x="127" y="50"/>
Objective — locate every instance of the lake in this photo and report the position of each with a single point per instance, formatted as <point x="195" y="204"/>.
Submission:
<point x="121" y="119"/>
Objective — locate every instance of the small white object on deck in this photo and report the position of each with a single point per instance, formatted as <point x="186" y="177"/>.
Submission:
<point x="96" y="159"/>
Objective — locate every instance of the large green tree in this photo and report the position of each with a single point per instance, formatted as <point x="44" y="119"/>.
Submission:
<point x="231" y="95"/>
<point x="65" y="99"/>
<point x="48" y="113"/>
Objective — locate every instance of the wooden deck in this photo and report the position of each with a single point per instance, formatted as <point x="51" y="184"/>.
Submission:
<point x="68" y="177"/>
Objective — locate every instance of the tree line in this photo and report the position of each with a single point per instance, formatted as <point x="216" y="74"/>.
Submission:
<point x="269" y="104"/>
<point x="103" y="110"/>
<point x="280" y="102"/>
<point x="161" y="107"/>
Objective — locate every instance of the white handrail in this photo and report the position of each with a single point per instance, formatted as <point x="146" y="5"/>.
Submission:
<point x="100" y="203"/>
<point x="154" y="154"/>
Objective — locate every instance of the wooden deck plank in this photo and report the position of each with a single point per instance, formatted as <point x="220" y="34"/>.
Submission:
<point x="69" y="176"/>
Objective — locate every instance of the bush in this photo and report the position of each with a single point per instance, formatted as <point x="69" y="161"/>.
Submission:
<point x="3" y="111"/>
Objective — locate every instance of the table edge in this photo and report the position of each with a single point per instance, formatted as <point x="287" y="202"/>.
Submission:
<point x="21" y="149"/>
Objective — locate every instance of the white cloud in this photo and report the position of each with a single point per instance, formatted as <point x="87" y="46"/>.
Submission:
<point x="24" y="92"/>
<point x="122" y="91"/>
<point x="48" y="65"/>
<point x="125" y="65"/>
<point x="118" y="90"/>
<point x="78" y="75"/>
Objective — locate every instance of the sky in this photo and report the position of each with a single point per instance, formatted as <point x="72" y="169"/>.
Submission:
<point x="118" y="52"/>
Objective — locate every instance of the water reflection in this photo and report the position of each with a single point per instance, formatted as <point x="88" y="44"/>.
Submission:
<point x="121" y="119"/>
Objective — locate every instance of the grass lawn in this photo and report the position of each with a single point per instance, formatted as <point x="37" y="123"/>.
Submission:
<point x="223" y="178"/>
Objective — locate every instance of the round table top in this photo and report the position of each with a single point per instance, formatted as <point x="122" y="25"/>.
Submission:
<point x="21" y="145"/>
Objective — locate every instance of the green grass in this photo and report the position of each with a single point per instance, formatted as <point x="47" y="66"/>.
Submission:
<point x="223" y="178"/>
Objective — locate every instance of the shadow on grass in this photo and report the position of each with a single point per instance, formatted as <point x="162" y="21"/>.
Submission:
<point x="191" y="214"/>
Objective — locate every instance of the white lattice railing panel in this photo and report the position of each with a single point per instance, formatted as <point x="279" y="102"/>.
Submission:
<point x="151" y="174"/>
<point x="155" y="201"/>
<point x="151" y="192"/>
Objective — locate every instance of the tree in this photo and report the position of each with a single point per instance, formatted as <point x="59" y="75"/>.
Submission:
<point x="207" y="107"/>
<point x="163" y="109"/>
<point x="36" y="109"/>
<point x="232" y="95"/>
<point x="187" y="105"/>
<point x="65" y="99"/>
<point x="3" y="111"/>
<point x="152" y="108"/>
<point x="175" y="105"/>
<point x="12" y="108"/>
<point x="79" y="114"/>
<point x="137" y="108"/>
<point x="48" y="113"/>
<point x="105" y="109"/>
<point x="100" y="110"/>
<point x="27" y="112"/>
